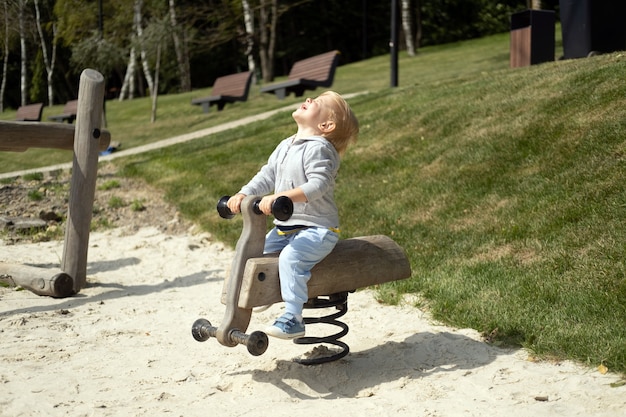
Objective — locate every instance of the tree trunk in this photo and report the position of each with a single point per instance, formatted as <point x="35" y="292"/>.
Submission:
<point x="155" y="94"/>
<point x="272" y="45"/>
<point x="49" y="63"/>
<point x="181" y="56"/>
<point x="248" y="18"/>
<point x="128" y="86"/>
<point x="535" y="4"/>
<point x="407" y="27"/>
<point x="142" y="51"/>
<point x="418" y="24"/>
<point x="5" y="63"/>
<point x="23" y="58"/>
<point x="268" y="20"/>
<point x="263" y="44"/>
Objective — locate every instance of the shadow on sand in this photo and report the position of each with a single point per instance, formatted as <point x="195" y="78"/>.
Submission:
<point x="116" y="290"/>
<point x="358" y="373"/>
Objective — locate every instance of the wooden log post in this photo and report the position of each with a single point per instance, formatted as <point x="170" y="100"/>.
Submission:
<point x="20" y="136"/>
<point x="84" y="173"/>
<point x="36" y="279"/>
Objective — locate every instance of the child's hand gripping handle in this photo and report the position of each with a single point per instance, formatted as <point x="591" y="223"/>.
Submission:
<point x="282" y="208"/>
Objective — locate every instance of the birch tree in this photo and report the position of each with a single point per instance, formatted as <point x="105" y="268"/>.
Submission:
<point x="21" y="17"/>
<point x="248" y="18"/>
<point x="407" y="27"/>
<point x="155" y="93"/>
<point x="138" y="46"/>
<point x="48" y="61"/>
<point x="155" y="41"/>
<point x="128" y="84"/>
<point x="180" y="47"/>
<point x="5" y="60"/>
<point x="137" y="21"/>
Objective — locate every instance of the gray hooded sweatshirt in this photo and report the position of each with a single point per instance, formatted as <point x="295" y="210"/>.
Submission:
<point x="311" y="164"/>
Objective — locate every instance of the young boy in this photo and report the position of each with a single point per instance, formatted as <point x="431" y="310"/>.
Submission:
<point x="303" y="167"/>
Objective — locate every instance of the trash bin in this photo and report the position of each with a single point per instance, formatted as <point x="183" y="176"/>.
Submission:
<point x="592" y="26"/>
<point x="532" y="37"/>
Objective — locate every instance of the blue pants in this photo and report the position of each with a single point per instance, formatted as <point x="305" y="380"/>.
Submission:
<point x="299" y="253"/>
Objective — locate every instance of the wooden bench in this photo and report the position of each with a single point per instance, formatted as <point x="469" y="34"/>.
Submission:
<point x="29" y="113"/>
<point x="253" y="281"/>
<point x="69" y="112"/>
<point x="307" y="74"/>
<point x="226" y="89"/>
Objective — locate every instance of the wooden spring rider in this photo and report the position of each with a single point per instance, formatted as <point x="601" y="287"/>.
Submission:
<point x="253" y="282"/>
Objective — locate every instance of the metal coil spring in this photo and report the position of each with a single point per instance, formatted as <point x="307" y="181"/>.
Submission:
<point x="340" y="302"/>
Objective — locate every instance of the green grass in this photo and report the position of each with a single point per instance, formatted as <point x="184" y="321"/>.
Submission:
<point x="35" y="195"/>
<point x="116" y="202"/>
<point x="109" y="185"/>
<point x="129" y="121"/>
<point x="505" y="186"/>
<point x="137" y="205"/>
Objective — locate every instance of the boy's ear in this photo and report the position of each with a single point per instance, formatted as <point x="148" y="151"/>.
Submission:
<point x="327" y="126"/>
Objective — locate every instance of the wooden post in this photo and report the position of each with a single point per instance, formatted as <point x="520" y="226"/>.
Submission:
<point x="20" y="136"/>
<point x="84" y="173"/>
<point x="33" y="279"/>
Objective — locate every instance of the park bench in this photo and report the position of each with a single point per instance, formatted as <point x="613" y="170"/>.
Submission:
<point x="69" y="112"/>
<point x="226" y="89"/>
<point x="29" y="113"/>
<point x="254" y="282"/>
<point x="307" y="74"/>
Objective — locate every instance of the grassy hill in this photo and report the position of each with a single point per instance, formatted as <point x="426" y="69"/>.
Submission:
<point x="505" y="186"/>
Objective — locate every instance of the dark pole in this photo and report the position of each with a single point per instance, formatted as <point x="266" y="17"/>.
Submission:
<point x="393" y="43"/>
<point x="364" y="29"/>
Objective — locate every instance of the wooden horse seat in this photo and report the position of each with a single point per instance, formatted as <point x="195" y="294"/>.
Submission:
<point x="354" y="263"/>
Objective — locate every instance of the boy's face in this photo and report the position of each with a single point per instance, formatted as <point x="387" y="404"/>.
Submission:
<point x="313" y="112"/>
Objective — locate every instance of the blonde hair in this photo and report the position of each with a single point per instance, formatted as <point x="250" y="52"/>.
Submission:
<point x="346" y="130"/>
